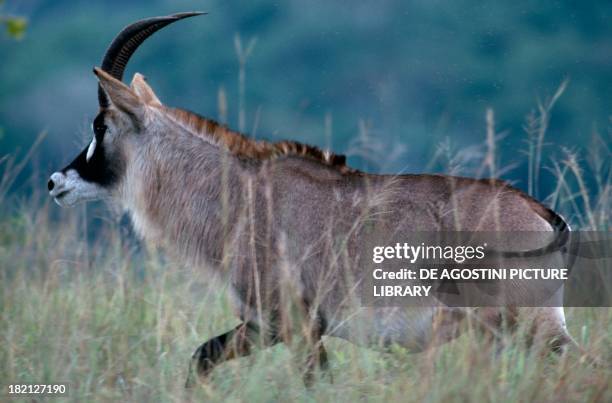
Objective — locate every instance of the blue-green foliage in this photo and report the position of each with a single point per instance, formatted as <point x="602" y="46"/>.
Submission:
<point x="415" y="72"/>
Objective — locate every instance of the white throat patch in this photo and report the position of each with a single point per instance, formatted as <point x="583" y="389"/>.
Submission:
<point x="91" y="149"/>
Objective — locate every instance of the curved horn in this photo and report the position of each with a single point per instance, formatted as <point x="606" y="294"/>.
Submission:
<point x="128" y="40"/>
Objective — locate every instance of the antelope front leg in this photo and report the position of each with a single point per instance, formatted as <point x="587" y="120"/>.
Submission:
<point x="233" y="344"/>
<point x="310" y="354"/>
<point x="315" y="358"/>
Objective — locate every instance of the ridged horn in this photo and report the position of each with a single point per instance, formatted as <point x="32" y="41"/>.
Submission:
<point x="128" y="40"/>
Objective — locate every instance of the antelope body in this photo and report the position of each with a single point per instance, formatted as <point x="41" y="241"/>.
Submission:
<point x="269" y="218"/>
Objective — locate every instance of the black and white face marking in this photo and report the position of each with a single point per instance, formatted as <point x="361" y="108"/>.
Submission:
<point x="92" y="173"/>
<point x="99" y="129"/>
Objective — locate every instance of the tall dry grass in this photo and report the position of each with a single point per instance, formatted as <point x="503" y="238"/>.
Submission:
<point x="119" y="323"/>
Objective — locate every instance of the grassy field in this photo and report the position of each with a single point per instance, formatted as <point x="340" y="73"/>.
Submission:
<point x="119" y="323"/>
<point x="120" y="327"/>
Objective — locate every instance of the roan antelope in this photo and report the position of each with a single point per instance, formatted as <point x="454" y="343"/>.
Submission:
<point x="277" y="220"/>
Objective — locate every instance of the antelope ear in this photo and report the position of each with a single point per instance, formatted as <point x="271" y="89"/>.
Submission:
<point x="121" y="95"/>
<point x="140" y="86"/>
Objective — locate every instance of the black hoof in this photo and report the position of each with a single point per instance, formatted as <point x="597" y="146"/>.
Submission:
<point x="199" y="369"/>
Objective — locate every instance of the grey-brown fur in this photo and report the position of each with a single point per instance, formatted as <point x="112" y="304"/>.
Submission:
<point x="274" y="228"/>
<point x="283" y="225"/>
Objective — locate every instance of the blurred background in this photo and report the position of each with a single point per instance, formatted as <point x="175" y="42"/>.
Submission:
<point x="393" y="84"/>
<point x="399" y="86"/>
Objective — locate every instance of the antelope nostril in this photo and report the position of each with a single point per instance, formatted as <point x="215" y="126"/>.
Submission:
<point x="50" y="185"/>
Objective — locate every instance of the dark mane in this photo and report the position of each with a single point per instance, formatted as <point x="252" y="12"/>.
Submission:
<point x="244" y="146"/>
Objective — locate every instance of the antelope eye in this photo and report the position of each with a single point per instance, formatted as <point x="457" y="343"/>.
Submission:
<point x="99" y="129"/>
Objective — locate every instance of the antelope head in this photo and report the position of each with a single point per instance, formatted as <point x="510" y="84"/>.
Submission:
<point x="97" y="172"/>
